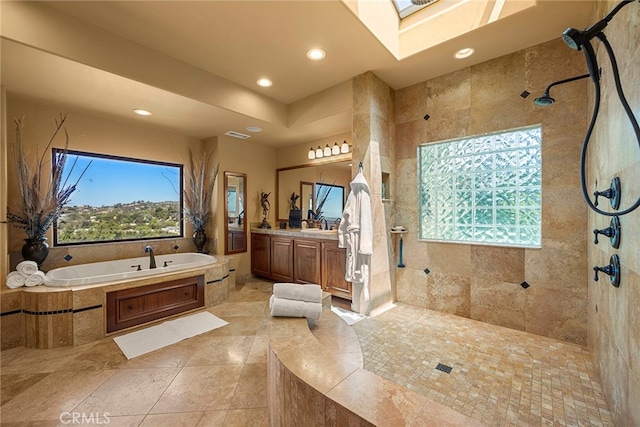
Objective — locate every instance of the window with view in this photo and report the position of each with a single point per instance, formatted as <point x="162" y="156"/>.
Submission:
<point x="120" y="199"/>
<point x="482" y="189"/>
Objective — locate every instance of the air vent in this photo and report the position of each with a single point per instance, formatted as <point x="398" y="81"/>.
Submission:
<point x="237" y="134"/>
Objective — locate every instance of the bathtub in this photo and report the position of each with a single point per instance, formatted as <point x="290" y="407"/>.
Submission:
<point x="112" y="271"/>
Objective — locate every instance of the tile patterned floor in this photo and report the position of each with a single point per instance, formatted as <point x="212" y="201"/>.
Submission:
<point x="499" y="376"/>
<point x="214" y="379"/>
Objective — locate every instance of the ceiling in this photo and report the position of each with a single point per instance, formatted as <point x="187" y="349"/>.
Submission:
<point x="223" y="47"/>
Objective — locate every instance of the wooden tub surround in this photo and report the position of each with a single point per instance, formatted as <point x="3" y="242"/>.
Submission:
<point x="315" y="378"/>
<point x="50" y="317"/>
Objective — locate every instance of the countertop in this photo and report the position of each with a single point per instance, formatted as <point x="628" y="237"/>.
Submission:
<point x="297" y="232"/>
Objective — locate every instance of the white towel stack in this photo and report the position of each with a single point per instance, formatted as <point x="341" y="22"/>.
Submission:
<point x="294" y="300"/>
<point x="26" y="274"/>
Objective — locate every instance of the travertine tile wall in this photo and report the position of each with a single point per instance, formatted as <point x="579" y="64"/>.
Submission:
<point x="484" y="282"/>
<point x="614" y="313"/>
<point x="373" y="145"/>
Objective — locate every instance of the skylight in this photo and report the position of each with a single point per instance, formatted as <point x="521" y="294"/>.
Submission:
<point x="406" y="7"/>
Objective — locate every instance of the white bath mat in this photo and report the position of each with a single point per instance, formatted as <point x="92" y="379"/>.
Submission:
<point x="348" y="316"/>
<point x="154" y="337"/>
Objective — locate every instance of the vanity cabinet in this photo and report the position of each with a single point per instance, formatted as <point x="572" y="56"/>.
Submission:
<point x="282" y="258"/>
<point x="333" y="270"/>
<point x="306" y="261"/>
<point x="300" y="260"/>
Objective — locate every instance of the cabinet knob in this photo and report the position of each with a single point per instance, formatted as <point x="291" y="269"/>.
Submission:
<point x="130" y="307"/>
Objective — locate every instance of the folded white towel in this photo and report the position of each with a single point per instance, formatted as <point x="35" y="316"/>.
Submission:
<point x="281" y="307"/>
<point x="15" y="280"/>
<point x="294" y="291"/>
<point x="27" y="268"/>
<point x="35" y="279"/>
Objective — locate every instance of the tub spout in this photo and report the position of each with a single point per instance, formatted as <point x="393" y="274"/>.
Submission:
<point x="152" y="258"/>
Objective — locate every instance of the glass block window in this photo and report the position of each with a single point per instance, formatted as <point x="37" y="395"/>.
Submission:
<point x="482" y="189"/>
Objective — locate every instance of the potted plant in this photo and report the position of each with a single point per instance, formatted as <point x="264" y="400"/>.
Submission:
<point x="198" y="193"/>
<point x="42" y="197"/>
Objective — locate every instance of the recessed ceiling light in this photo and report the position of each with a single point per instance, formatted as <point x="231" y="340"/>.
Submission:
<point x="316" y="54"/>
<point x="464" y="53"/>
<point x="255" y="129"/>
<point x="265" y="82"/>
<point x="142" y="112"/>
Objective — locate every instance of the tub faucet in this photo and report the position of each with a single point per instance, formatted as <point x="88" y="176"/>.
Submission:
<point x="152" y="258"/>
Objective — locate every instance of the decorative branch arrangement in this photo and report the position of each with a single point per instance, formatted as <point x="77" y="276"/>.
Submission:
<point x="41" y="207"/>
<point x="198" y="191"/>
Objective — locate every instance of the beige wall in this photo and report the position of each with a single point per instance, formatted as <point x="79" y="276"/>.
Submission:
<point x="259" y="163"/>
<point x="614" y="313"/>
<point x="484" y="282"/>
<point x="97" y="135"/>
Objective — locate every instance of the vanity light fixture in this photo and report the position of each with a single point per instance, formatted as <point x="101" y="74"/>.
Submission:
<point x="141" y="112"/>
<point x="464" y="53"/>
<point x="335" y="150"/>
<point x="327" y="151"/>
<point x="344" y="148"/>
<point x="311" y="154"/>
<point x="265" y="82"/>
<point x="319" y="154"/>
<point x="315" y="54"/>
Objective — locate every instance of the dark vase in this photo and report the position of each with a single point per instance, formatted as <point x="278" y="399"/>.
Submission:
<point x="35" y="250"/>
<point x="199" y="239"/>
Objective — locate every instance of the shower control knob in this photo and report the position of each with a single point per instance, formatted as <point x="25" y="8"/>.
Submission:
<point x="612" y="193"/>
<point x="612" y="270"/>
<point x="612" y="232"/>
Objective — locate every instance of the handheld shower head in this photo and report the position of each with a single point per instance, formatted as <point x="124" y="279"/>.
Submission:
<point x="544" y="100"/>
<point x="576" y="39"/>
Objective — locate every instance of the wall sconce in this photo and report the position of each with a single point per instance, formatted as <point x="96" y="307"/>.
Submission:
<point x="335" y="150"/>
<point x="319" y="153"/>
<point x="345" y="147"/>
<point x="311" y="154"/>
<point x="327" y="151"/>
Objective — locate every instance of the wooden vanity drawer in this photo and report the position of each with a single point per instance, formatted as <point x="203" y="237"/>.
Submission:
<point x="131" y="307"/>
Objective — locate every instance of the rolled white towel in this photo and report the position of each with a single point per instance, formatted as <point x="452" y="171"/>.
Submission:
<point x="281" y="307"/>
<point x="294" y="291"/>
<point x="15" y="280"/>
<point x="35" y="279"/>
<point x="27" y="268"/>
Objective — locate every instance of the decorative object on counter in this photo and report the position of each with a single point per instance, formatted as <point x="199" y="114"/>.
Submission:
<point x="293" y="202"/>
<point x="201" y="179"/>
<point x="295" y="217"/>
<point x="264" y="202"/>
<point x="40" y="206"/>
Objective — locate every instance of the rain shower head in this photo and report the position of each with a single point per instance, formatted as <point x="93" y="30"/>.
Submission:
<point x="546" y="99"/>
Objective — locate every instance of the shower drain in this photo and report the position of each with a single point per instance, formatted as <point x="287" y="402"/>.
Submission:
<point x="444" y="368"/>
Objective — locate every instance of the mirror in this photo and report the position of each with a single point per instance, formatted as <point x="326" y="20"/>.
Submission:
<point x="235" y="225"/>
<point x="307" y="181"/>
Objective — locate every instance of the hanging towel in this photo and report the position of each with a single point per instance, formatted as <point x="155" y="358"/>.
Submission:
<point x="281" y="307"/>
<point x="15" y="280"/>
<point x="27" y="268"/>
<point x="355" y="233"/>
<point x="294" y="291"/>
<point x="35" y="279"/>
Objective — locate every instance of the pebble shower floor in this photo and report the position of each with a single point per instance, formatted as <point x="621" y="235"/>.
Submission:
<point x="499" y="376"/>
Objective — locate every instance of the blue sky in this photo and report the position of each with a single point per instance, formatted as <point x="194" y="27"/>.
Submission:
<point x="109" y="181"/>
